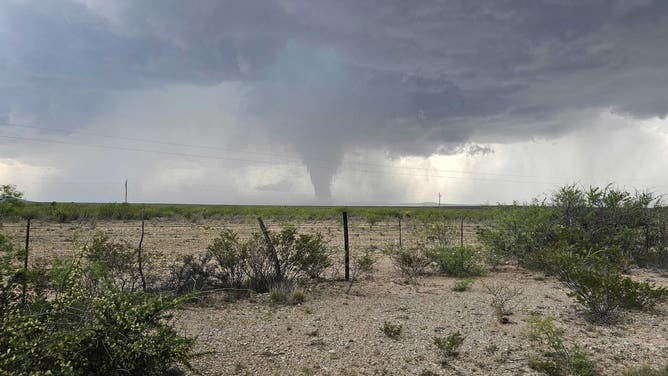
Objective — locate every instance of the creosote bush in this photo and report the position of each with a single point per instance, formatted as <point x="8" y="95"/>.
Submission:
<point x="232" y="262"/>
<point x="76" y="319"/>
<point x="600" y="289"/>
<point x="588" y="239"/>
<point x="458" y="261"/>
<point x="411" y="262"/>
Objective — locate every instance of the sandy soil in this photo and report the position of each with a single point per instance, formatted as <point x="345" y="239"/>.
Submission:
<point x="335" y="333"/>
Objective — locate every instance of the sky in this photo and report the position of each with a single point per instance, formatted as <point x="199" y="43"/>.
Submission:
<point x="331" y="102"/>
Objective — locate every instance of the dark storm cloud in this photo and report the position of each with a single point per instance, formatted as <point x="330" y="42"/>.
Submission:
<point x="408" y="77"/>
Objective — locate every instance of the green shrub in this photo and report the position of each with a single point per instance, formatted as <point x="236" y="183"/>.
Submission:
<point x="231" y="262"/>
<point x="78" y="327"/>
<point x="411" y="262"/>
<point x="448" y="347"/>
<point x="301" y="255"/>
<point x="192" y="274"/>
<point x="436" y="234"/>
<point x="554" y="357"/>
<point x="391" y="330"/>
<point x="599" y="287"/>
<point x="230" y="256"/>
<point x="462" y="285"/>
<point x="587" y="238"/>
<point x="458" y="261"/>
<point x="112" y="262"/>
<point x="365" y="263"/>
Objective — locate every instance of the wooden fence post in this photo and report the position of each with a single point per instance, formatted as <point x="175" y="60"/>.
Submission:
<point x="24" y="287"/>
<point x="139" y="256"/>
<point x="272" y="249"/>
<point x="346" y="245"/>
<point x="461" y="232"/>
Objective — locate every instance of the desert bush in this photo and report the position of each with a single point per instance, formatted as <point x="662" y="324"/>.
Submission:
<point x="301" y="255"/>
<point x="503" y="299"/>
<point x="458" y="261"/>
<point x="80" y="328"/>
<point x="462" y="285"/>
<point x="365" y="263"/>
<point x="411" y="262"/>
<point x="230" y="255"/>
<point x="436" y="234"/>
<point x="192" y="274"/>
<point x="391" y="330"/>
<point x="10" y="201"/>
<point x="554" y="356"/>
<point x="601" y="289"/>
<point x="231" y="262"/>
<point x="519" y="233"/>
<point x="588" y="238"/>
<point x="111" y="262"/>
<point x="448" y="347"/>
<point x="620" y="226"/>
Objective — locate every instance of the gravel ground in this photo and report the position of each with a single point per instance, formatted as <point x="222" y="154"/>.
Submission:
<point x="338" y="333"/>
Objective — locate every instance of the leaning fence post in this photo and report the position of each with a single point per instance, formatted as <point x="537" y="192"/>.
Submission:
<point x="346" y="246"/>
<point x="272" y="249"/>
<point x="139" y="254"/>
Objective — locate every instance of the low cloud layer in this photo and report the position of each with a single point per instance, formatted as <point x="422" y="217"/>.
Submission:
<point x="301" y="86"/>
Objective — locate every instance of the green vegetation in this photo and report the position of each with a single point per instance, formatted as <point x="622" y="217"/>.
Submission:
<point x="448" y="347"/>
<point x="462" y="285"/>
<point x="588" y="239"/>
<point x="288" y="293"/>
<point x="458" y="261"/>
<point x="75" y="318"/>
<point x="412" y="262"/>
<point x="391" y="330"/>
<point x="66" y="212"/>
<point x="252" y="264"/>
<point x="554" y="357"/>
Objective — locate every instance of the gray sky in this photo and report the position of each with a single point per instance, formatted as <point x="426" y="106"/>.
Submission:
<point x="346" y="102"/>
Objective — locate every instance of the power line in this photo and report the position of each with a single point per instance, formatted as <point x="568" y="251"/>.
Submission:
<point x="294" y="161"/>
<point x="291" y="158"/>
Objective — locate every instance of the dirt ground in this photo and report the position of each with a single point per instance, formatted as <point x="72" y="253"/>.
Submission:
<point x="337" y="332"/>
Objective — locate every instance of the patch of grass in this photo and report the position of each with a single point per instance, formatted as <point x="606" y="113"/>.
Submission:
<point x="391" y="330"/>
<point x="287" y="293"/>
<point x="462" y="285"/>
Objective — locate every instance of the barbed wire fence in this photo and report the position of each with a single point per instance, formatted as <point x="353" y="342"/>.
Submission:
<point x="175" y="237"/>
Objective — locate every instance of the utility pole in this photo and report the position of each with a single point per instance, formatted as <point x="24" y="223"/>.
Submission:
<point x="439" y="199"/>
<point x="126" y="191"/>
